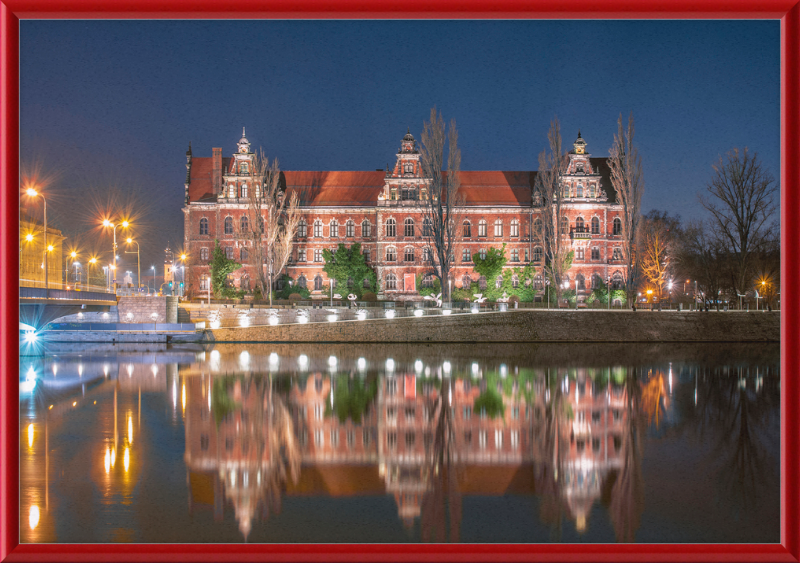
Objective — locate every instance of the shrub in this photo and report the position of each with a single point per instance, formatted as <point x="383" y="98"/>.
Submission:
<point x="513" y="299"/>
<point x="295" y="297"/>
<point x="369" y="296"/>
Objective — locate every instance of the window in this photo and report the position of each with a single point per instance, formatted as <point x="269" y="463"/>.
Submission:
<point x="468" y="437"/>
<point x="467" y="229"/>
<point x="426" y="255"/>
<point x="411" y="414"/>
<point x="579" y="225"/>
<point x="467" y="413"/>
<point x="350" y="229"/>
<point x="498" y="439"/>
<point x="229" y="252"/>
<point x="351" y="438"/>
<point x="335" y="438"/>
<point x="391" y="254"/>
<point x="366" y="228"/>
<point x="579" y="253"/>
<point x="228" y="225"/>
<point x="243" y="224"/>
<point x="334" y="229"/>
<point x="245" y="282"/>
<point x="243" y="168"/>
<point x="595" y="253"/>
<point x="204" y="254"/>
<point x="391" y="282"/>
<point x="515" y="281"/>
<point x="317" y="228"/>
<point x="581" y="281"/>
<point x="596" y="281"/>
<point x="391" y="440"/>
<point x="203" y="226"/>
<point x="410" y="438"/>
<point x="302" y="229"/>
<point x="366" y="283"/>
<point x="301" y="255"/>
<point x="349" y="282"/>
<point x="244" y="190"/>
<point x="391" y="228"/>
<point x="537" y="227"/>
<point x="318" y="283"/>
<point x="482" y="283"/>
<point x="319" y="438"/>
<point x="204" y="441"/>
<point x="617" y="254"/>
<point x="317" y="255"/>
<point x="595" y="226"/>
<point x="498" y="228"/>
<point x="617" y="226"/>
<point x="427" y="281"/>
<point x="515" y="439"/>
<point x="466" y="282"/>
<point x="482" y="253"/>
<point x="409" y="257"/>
<point x="408" y="227"/>
<point x="616" y="281"/>
<point x="498" y="283"/>
<point x="537" y="282"/>
<point x="242" y="254"/>
<point x="482" y="228"/>
<point x="319" y="411"/>
<point x="408" y="168"/>
<point x="427" y="229"/>
<point x="231" y="190"/>
<point x="301" y="281"/>
<point x="367" y="437"/>
<point x="366" y="255"/>
<point x="514" y="228"/>
<point x="526" y="254"/>
<point x="204" y="283"/>
<point x="391" y="386"/>
<point x="564" y="225"/>
<point x="579" y="191"/>
<point x="515" y="255"/>
<point x="465" y="256"/>
<point x="482" y="439"/>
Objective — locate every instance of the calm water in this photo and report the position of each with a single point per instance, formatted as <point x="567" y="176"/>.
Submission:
<point x="402" y="443"/>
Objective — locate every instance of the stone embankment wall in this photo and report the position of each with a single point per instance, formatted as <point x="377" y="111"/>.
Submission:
<point x="527" y="326"/>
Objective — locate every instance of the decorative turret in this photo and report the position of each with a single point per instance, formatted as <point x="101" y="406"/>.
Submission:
<point x="188" y="174"/>
<point x="244" y="144"/>
<point x="579" y="144"/>
<point x="408" y="145"/>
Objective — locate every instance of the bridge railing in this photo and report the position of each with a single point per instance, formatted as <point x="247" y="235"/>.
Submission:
<point x="65" y="286"/>
<point x="42" y="293"/>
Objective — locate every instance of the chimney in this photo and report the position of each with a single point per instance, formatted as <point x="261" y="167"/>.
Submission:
<point x="216" y="169"/>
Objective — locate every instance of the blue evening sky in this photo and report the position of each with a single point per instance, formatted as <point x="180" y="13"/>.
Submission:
<point x="109" y="107"/>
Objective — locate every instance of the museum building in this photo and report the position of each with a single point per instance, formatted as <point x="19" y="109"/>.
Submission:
<point x="384" y="211"/>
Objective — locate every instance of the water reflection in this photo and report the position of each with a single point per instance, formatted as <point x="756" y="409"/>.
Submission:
<point x="434" y="430"/>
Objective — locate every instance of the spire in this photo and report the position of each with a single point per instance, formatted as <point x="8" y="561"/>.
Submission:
<point x="580" y="144"/>
<point x="243" y="135"/>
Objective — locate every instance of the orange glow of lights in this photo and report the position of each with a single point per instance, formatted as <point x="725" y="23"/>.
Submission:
<point x="183" y="257"/>
<point x="93" y="261"/>
<point x="51" y="407"/>
<point x="74" y="403"/>
<point x="126" y="459"/>
<point x="31" y="192"/>
<point x="130" y="430"/>
<point x="29" y="237"/>
<point x="33" y="517"/>
<point x="49" y="248"/>
<point x="107" y="461"/>
<point x="125" y="224"/>
<point x="113" y="266"/>
<point x="113" y="456"/>
<point x="73" y="254"/>
<point x="183" y="396"/>
<point x="106" y="223"/>
<point x="130" y="240"/>
<point x="30" y="435"/>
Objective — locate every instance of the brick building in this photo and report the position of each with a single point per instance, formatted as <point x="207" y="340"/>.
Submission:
<point x="384" y="211"/>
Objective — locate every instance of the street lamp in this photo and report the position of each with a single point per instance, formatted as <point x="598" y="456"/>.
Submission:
<point x="92" y="262"/>
<point x="124" y="224"/>
<point x="183" y="273"/>
<point x="608" y="289"/>
<point x="33" y="193"/>
<point x="154" y="279"/>
<point x="138" y="263"/>
<point x="547" y="291"/>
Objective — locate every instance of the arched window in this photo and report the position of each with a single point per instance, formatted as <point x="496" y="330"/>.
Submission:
<point x="597" y="281"/>
<point x="538" y="231"/>
<point x="595" y="226"/>
<point x="302" y="228"/>
<point x="579" y="191"/>
<point x="203" y="226"/>
<point x="537" y="254"/>
<point x="204" y="254"/>
<point x="408" y="227"/>
<point x="427" y="229"/>
<point x="334" y="229"/>
<point x="617" y="254"/>
<point x="482" y="283"/>
<point x="616" y="281"/>
<point x="467" y="229"/>
<point x="409" y="255"/>
<point x="350" y="229"/>
<point x="243" y="224"/>
<point x="426" y="254"/>
<point x="301" y="282"/>
<point x="592" y="190"/>
<point x="498" y="283"/>
<point x="537" y="282"/>
<point x="242" y="254"/>
<point x="204" y="282"/>
<point x="366" y="228"/>
<point x="515" y="281"/>
<point x="514" y="228"/>
<point x="391" y="254"/>
<point x="391" y="228"/>
<point x="244" y="190"/>
<point x="498" y="228"/>
<point x="466" y="282"/>
<point x="581" y="281"/>
<point x="427" y="281"/>
<point x="617" y="226"/>
<point x="244" y="283"/>
<point x="482" y="228"/>
<point x="228" y="225"/>
<point x="391" y="282"/>
<point x="564" y="225"/>
<point x="231" y="190"/>
<point x="579" y="225"/>
<point x="317" y="228"/>
<point x="465" y="255"/>
<point x="317" y="283"/>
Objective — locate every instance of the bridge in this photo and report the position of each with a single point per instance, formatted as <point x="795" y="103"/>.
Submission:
<point x="39" y="305"/>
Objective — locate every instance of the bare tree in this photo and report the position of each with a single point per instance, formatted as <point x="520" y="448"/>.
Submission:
<point x="549" y="193"/>
<point x="444" y="205"/>
<point x="741" y="200"/>
<point x="703" y="258"/>
<point x="272" y="220"/>
<point x="628" y="182"/>
<point x="657" y="236"/>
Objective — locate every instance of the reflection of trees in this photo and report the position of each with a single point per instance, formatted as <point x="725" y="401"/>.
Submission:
<point x="441" y="504"/>
<point x="352" y="397"/>
<point x="642" y="403"/>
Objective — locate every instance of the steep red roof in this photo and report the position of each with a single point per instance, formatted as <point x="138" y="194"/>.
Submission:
<point x="200" y="181"/>
<point x="495" y="187"/>
<point x="335" y="188"/>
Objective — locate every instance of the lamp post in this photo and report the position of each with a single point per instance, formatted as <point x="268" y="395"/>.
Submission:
<point x="154" y="279"/>
<point x="33" y="193"/>
<point x="576" y="293"/>
<point x="92" y="262"/>
<point x="124" y="224"/>
<point x="183" y="273"/>
<point x="608" y="289"/>
<point x="77" y="281"/>
<point x="138" y="263"/>
<point x="547" y="292"/>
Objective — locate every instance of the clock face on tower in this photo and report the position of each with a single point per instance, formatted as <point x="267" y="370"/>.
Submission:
<point x="242" y="149"/>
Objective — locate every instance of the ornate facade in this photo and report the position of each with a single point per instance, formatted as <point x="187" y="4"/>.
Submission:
<point x="384" y="211"/>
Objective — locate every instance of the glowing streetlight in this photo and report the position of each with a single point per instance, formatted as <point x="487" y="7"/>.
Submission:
<point x="125" y="225"/>
<point x="138" y="263"/>
<point x="29" y="237"/>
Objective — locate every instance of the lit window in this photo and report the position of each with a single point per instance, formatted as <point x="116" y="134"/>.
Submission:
<point x="498" y="228"/>
<point x="391" y="282"/>
<point x="317" y="255"/>
<point x="514" y="228"/>
<point x="391" y="228"/>
<point x="317" y="228"/>
<point x="334" y="229"/>
<point x="409" y="257"/>
<point x="350" y="229"/>
<point x="482" y="228"/>
<point x="391" y="254"/>
<point x="302" y="228"/>
<point x="366" y="228"/>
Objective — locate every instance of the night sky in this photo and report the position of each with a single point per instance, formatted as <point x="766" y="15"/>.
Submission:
<point x="108" y="108"/>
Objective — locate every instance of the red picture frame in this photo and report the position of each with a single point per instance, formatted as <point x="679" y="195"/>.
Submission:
<point x="11" y="11"/>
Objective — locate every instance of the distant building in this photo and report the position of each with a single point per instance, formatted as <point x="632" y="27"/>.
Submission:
<point x="31" y="253"/>
<point x="382" y="210"/>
